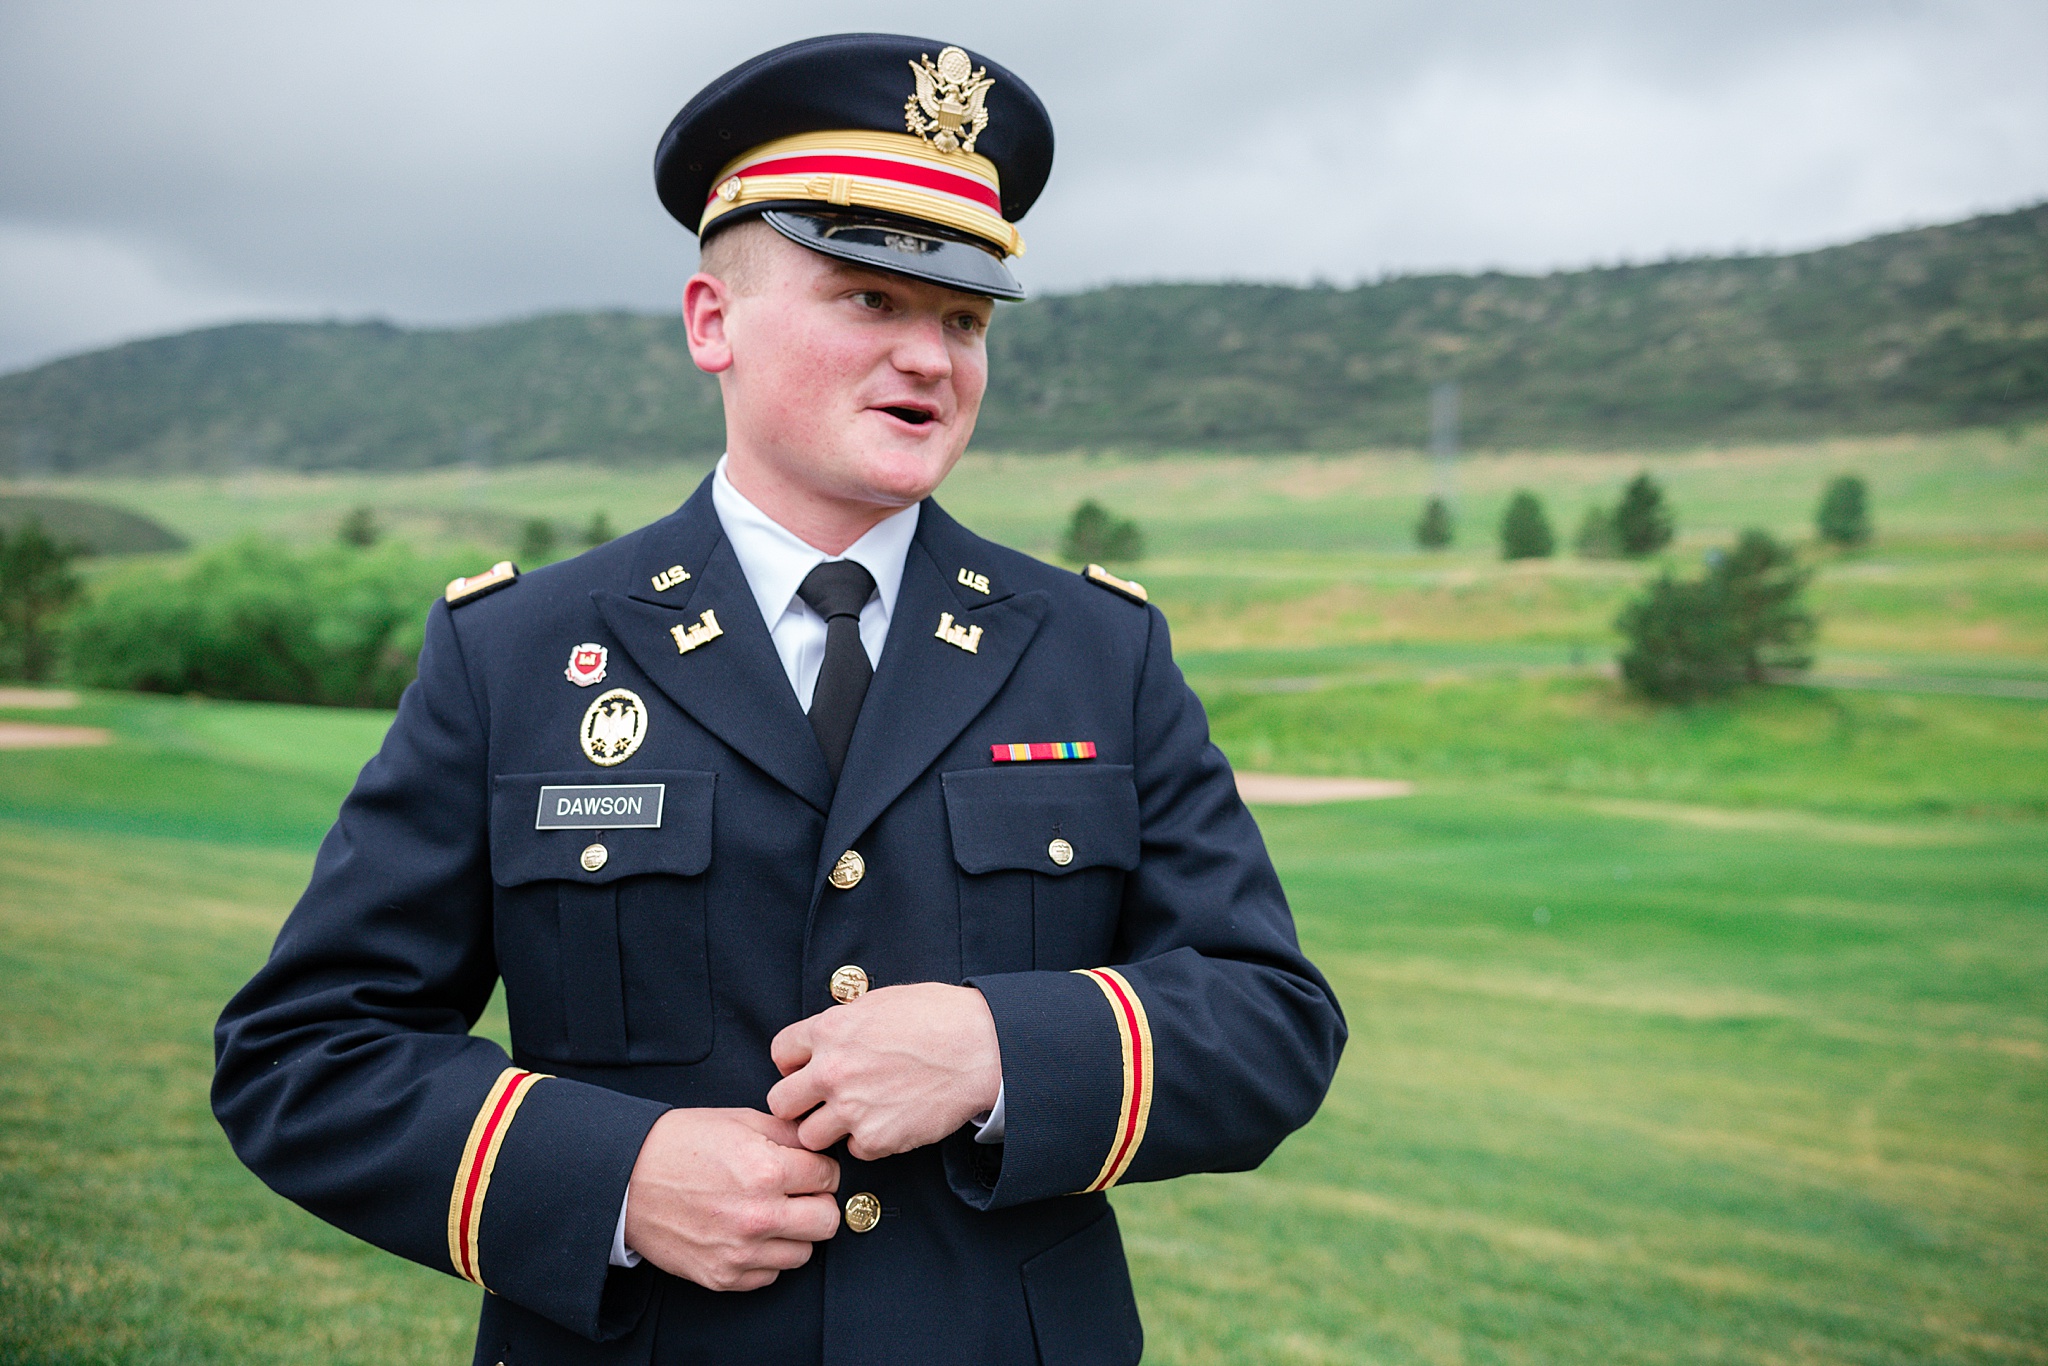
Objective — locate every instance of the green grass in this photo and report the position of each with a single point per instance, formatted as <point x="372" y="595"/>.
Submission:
<point x="1788" y="747"/>
<point x="1631" y="1080"/>
<point x="1739" y="1096"/>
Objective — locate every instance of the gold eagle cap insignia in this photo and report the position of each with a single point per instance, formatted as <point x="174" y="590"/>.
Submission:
<point x="948" y="109"/>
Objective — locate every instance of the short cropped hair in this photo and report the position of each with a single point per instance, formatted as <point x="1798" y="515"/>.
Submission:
<point x="738" y="255"/>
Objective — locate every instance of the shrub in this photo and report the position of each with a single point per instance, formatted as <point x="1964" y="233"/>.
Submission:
<point x="1843" y="517"/>
<point x="1596" y="539"/>
<point x="252" y="620"/>
<point x="1524" y="530"/>
<point x="1434" y="531"/>
<point x="359" y="528"/>
<point x="36" y="585"/>
<point x="1094" y="534"/>
<point x="1642" y="520"/>
<point x="537" y="541"/>
<point x="1727" y="629"/>
<point x="598" y="530"/>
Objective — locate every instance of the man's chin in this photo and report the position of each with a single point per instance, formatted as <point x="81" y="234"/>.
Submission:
<point x="899" y="474"/>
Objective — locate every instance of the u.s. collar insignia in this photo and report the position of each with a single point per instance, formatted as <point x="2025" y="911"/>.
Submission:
<point x="967" y="638"/>
<point x="670" y="577"/>
<point x="586" y="664"/>
<point x="947" y="108"/>
<point x="613" y="727"/>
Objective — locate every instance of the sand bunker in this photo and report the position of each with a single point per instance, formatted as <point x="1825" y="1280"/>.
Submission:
<point x="38" y="699"/>
<point x="1281" y="789"/>
<point x="24" y="735"/>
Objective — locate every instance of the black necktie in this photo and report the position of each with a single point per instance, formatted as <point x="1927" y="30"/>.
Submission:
<point x="836" y="590"/>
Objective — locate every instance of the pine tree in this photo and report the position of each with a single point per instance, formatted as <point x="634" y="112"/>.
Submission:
<point x="1524" y="531"/>
<point x="36" y="585"/>
<point x="1844" y="515"/>
<point x="1435" y="530"/>
<point x="1732" y="627"/>
<point x="1642" y="521"/>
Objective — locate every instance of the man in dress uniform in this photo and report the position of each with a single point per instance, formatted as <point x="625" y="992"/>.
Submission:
<point x="868" y="897"/>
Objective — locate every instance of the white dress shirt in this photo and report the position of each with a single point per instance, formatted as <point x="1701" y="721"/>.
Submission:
<point x="776" y="562"/>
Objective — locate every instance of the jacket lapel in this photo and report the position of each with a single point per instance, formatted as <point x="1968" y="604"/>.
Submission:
<point x="732" y="684"/>
<point x="927" y="690"/>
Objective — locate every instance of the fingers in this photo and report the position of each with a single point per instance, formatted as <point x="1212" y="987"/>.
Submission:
<point x="774" y="1128"/>
<point x="808" y="1173"/>
<point x="823" y="1128"/>
<point x="796" y="1094"/>
<point x="791" y="1048"/>
<point x="810" y="1218"/>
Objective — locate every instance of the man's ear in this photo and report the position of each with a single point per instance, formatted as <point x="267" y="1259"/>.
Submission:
<point x="707" y="306"/>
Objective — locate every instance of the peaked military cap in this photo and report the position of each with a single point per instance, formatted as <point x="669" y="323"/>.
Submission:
<point x="903" y="154"/>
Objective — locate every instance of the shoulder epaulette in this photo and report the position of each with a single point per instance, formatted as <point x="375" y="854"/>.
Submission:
<point x="1096" y="574"/>
<point x="500" y="575"/>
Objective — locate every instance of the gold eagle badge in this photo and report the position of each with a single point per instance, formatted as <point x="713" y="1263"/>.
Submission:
<point x="948" y="108"/>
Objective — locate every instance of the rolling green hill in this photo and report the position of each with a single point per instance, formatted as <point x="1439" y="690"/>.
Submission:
<point x="1922" y="330"/>
<point x="98" y="528"/>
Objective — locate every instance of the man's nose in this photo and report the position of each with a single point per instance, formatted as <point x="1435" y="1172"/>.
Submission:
<point x="921" y="348"/>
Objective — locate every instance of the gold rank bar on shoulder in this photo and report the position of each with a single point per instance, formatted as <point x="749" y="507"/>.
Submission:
<point x="1095" y="573"/>
<point x="473" y="586"/>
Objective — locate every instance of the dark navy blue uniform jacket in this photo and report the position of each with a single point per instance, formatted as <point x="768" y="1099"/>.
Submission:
<point x="1154" y="1011"/>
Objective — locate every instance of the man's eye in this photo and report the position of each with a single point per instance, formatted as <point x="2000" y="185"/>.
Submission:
<point x="967" y="322"/>
<point x="872" y="298"/>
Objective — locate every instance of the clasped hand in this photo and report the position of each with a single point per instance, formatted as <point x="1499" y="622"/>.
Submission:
<point x="732" y="1198"/>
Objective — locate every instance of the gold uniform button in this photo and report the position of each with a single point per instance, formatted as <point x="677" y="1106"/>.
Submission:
<point x="1060" y="852"/>
<point x="849" y="983"/>
<point x="847" y="873"/>
<point x="863" y="1212"/>
<point x="594" y="857"/>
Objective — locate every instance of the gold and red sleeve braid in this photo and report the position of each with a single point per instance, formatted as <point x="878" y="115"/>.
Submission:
<point x="479" y="1156"/>
<point x="1134" y="1037"/>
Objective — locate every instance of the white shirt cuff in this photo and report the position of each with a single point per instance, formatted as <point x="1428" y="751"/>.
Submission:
<point x="621" y="1254"/>
<point x="989" y="1128"/>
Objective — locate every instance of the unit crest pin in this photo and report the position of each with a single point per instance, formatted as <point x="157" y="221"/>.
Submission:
<point x="587" y="664"/>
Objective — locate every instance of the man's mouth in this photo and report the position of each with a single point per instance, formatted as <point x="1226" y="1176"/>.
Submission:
<point x="916" y="417"/>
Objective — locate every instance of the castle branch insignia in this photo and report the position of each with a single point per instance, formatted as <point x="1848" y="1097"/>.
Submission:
<point x="706" y="629"/>
<point x="948" y="109"/>
<point x="613" y="727"/>
<point x="954" y="633"/>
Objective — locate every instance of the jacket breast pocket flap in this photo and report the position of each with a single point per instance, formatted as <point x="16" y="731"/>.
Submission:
<point x="1056" y="820"/>
<point x="547" y="827"/>
<point x="601" y="928"/>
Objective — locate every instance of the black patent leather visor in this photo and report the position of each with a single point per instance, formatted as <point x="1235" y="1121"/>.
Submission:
<point x="900" y="248"/>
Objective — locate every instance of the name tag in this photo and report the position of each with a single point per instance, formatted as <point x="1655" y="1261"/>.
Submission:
<point x="606" y="806"/>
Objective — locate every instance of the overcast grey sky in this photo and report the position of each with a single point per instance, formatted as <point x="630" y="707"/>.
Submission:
<point x="165" y="165"/>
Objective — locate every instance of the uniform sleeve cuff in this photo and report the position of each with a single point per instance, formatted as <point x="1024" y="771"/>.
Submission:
<point x="1062" y="1057"/>
<point x="542" y="1240"/>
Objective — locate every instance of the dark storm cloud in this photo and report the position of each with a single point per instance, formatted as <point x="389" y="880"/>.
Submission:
<point x="165" y="165"/>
